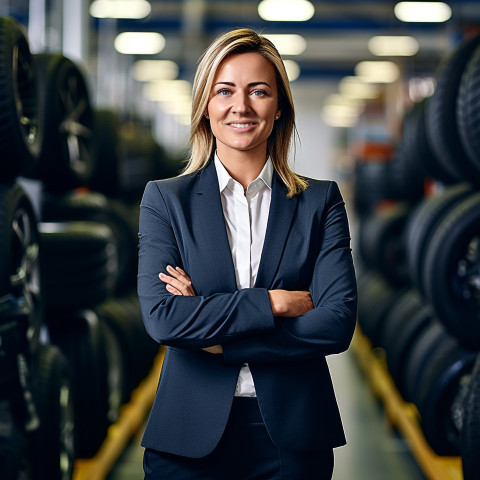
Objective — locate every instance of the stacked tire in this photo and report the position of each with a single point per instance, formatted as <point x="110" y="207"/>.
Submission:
<point x="419" y="264"/>
<point x="36" y="439"/>
<point x="72" y="341"/>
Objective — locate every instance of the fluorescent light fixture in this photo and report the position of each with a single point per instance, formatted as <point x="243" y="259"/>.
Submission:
<point x="152" y="70"/>
<point x="120" y="9"/>
<point x="167" y="90"/>
<point x="339" y="116"/>
<point x="293" y="69"/>
<point x="339" y="111"/>
<point x="139" y="43"/>
<point x="181" y="109"/>
<point x="288" y="44"/>
<point x="423" y="12"/>
<point x="377" y="71"/>
<point x="354" y="88"/>
<point x="393" y="46"/>
<point x="286" y="10"/>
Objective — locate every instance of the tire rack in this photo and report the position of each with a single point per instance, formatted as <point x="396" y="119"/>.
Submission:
<point x="402" y="415"/>
<point x="130" y="421"/>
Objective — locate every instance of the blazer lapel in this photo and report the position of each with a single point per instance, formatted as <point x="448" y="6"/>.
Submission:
<point x="209" y="213"/>
<point x="280" y="218"/>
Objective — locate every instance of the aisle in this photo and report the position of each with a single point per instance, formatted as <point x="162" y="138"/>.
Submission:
<point x="373" y="451"/>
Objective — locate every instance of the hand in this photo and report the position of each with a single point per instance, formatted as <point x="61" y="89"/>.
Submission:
<point x="216" y="349"/>
<point x="178" y="282"/>
<point x="286" y="303"/>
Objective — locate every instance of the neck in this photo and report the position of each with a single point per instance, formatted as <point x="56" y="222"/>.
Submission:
<point x="244" y="167"/>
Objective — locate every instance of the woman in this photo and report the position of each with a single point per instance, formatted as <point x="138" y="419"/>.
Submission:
<point x="246" y="275"/>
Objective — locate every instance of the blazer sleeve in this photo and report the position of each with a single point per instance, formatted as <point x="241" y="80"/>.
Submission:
<point x="198" y="321"/>
<point x="329" y="327"/>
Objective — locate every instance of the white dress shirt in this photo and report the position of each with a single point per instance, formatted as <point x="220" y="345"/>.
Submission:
<point x="246" y="216"/>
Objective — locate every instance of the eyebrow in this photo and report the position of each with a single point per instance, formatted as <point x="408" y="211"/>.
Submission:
<point x="252" y="84"/>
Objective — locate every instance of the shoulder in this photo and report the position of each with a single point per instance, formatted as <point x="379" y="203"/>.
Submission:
<point x="171" y="186"/>
<point x="323" y="191"/>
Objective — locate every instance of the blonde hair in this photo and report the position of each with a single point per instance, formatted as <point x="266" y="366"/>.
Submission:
<point x="202" y="140"/>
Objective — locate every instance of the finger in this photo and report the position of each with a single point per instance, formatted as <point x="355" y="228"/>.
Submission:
<point x="174" y="283"/>
<point x="179" y="274"/>
<point x="173" y="290"/>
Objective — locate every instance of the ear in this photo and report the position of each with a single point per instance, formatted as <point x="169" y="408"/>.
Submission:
<point x="278" y="114"/>
<point x="207" y="116"/>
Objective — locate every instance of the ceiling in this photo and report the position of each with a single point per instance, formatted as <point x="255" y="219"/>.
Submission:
<point x="337" y="34"/>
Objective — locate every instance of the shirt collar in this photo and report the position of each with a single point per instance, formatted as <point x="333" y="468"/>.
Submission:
<point x="224" y="178"/>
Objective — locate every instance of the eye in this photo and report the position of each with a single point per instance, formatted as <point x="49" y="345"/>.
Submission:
<point x="223" y="92"/>
<point x="259" y="93"/>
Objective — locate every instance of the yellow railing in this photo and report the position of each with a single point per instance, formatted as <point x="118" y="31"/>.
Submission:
<point x="130" y="421"/>
<point x="402" y="415"/>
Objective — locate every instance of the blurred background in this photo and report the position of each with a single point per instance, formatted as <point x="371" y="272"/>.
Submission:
<point x="95" y="100"/>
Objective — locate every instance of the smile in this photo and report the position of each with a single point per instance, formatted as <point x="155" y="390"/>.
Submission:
<point x="241" y="125"/>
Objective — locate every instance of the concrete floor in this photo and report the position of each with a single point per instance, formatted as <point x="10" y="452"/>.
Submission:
<point x="373" y="452"/>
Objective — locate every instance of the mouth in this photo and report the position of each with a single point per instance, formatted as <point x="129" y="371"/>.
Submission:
<point x="241" y="125"/>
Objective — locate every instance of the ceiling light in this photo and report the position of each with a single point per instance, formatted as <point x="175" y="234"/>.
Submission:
<point x="120" y="9"/>
<point x="293" y="69"/>
<point x="152" y="70"/>
<point x="288" y="44"/>
<point x="422" y="11"/>
<point x="393" y="46"/>
<point x="354" y="88"/>
<point x="167" y="90"/>
<point x="139" y="43"/>
<point x="377" y="71"/>
<point x="286" y="10"/>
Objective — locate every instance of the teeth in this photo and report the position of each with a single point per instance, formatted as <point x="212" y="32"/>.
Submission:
<point x="241" y="125"/>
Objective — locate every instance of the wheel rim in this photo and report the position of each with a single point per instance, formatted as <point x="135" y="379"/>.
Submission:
<point x="25" y="275"/>
<point x="466" y="278"/>
<point x="67" y="448"/>
<point x="26" y="98"/>
<point x="77" y="123"/>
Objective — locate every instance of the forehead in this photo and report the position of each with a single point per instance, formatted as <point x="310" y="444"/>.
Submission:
<point x="246" y="67"/>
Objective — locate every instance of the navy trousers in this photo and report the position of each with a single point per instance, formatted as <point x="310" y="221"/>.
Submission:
<point x="245" y="452"/>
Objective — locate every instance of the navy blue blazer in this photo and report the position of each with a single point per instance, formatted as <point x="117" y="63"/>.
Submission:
<point x="307" y="247"/>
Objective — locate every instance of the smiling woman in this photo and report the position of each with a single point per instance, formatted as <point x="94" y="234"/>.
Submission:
<point x="242" y="109"/>
<point x="245" y="274"/>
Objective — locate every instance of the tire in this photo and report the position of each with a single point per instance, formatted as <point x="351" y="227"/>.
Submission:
<point x="399" y="316"/>
<point x="468" y="105"/>
<point x="442" y="109"/>
<point x="20" y="269"/>
<point x="53" y="445"/>
<point x="419" y="357"/>
<point x="110" y="154"/>
<point x="20" y="126"/>
<point x="81" y="338"/>
<point x="80" y="264"/>
<point x="422" y="223"/>
<point x="470" y="436"/>
<point x="413" y="155"/>
<point x="451" y="268"/>
<point x="375" y="298"/>
<point x="415" y="146"/>
<point x="124" y="319"/>
<point x="15" y="460"/>
<point x="443" y="387"/>
<point x="382" y="242"/>
<point x="122" y="219"/>
<point x="116" y="378"/>
<point x="67" y="158"/>
<point x="399" y="351"/>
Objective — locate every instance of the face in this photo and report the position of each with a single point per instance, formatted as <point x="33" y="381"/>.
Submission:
<point x="243" y="105"/>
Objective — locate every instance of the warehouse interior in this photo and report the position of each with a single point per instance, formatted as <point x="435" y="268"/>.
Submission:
<point x="95" y="101"/>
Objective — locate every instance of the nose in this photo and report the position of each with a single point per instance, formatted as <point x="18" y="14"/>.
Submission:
<point x="241" y="103"/>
